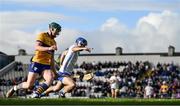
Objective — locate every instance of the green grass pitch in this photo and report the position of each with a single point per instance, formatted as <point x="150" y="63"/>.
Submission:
<point x="100" y="101"/>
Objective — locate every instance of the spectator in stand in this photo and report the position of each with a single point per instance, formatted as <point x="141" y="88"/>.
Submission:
<point x="99" y="73"/>
<point x="114" y="82"/>
<point x="123" y="91"/>
<point x="164" y="90"/>
<point x="148" y="91"/>
<point x="20" y="66"/>
<point x="173" y="88"/>
<point x="177" y="90"/>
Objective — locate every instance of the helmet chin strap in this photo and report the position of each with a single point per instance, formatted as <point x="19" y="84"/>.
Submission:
<point x="50" y="34"/>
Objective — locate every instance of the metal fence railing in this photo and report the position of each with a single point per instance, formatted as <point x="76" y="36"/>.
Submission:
<point x="10" y="75"/>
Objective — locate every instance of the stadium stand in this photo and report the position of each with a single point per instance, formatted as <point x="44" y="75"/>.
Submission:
<point x="137" y="71"/>
<point x="133" y="79"/>
<point x="5" y="59"/>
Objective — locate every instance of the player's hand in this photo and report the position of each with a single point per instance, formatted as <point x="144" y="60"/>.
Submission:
<point x="54" y="47"/>
<point x="89" y="49"/>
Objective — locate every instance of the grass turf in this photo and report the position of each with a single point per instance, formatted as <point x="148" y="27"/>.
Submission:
<point x="101" y="101"/>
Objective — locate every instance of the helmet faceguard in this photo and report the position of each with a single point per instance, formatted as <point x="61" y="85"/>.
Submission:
<point x="81" y="41"/>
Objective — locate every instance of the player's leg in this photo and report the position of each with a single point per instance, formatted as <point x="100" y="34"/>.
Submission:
<point x="69" y="85"/>
<point x="24" y="85"/>
<point x="48" y="77"/>
<point x="54" y="88"/>
<point x="116" y="93"/>
<point x="112" y="93"/>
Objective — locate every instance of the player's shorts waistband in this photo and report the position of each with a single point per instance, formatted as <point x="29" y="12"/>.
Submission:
<point x="63" y="74"/>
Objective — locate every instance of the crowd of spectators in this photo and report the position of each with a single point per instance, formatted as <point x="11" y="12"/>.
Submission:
<point x="165" y="81"/>
<point x="10" y="82"/>
<point x="19" y="66"/>
<point x="134" y="80"/>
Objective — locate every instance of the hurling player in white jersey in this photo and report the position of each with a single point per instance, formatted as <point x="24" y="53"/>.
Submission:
<point x="67" y="61"/>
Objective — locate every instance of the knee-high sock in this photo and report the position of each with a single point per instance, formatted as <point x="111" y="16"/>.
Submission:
<point x="42" y="88"/>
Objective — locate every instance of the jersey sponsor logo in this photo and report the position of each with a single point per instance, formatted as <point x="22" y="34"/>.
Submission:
<point x="35" y="68"/>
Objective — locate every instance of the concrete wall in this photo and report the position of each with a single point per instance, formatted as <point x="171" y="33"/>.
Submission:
<point x="133" y="58"/>
<point x="151" y="58"/>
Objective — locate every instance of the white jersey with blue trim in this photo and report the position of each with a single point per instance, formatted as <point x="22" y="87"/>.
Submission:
<point x="69" y="61"/>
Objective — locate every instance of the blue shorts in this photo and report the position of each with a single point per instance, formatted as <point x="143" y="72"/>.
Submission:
<point x="38" y="68"/>
<point x="61" y="75"/>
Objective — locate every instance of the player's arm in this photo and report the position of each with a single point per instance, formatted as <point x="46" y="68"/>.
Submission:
<point x="77" y="48"/>
<point x="39" y="47"/>
<point x="160" y="90"/>
<point x="145" y="91"/>
<point x="112" y="81"/>
<point x="53" y="66"/>
<point x="62" y="57"/>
